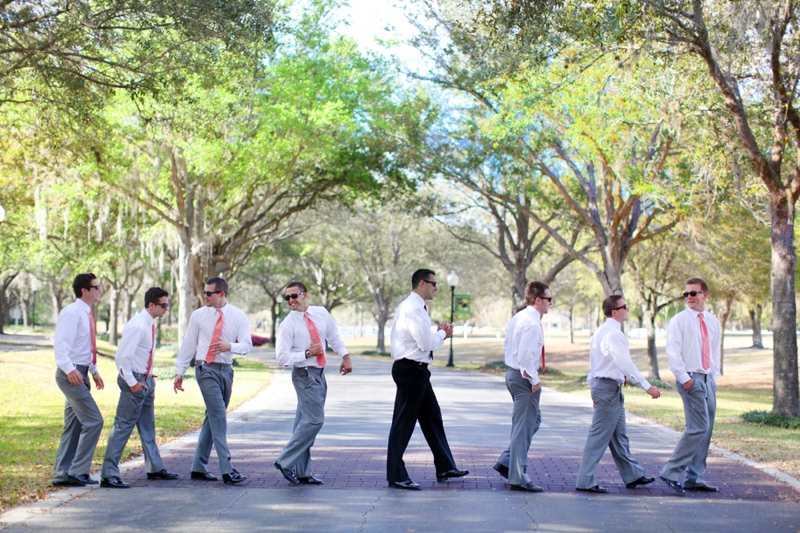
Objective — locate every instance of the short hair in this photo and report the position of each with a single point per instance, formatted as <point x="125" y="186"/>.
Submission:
<point x="299" y="284"/>
<point x="535" y="289"/>
<point x="420" y="275"/>
<point x="698" y="281"/>
<point x="82" y="281"/>
<point x="610" y="304"/>
<point x="219" y="284"/>
<point x="153" y="295"/>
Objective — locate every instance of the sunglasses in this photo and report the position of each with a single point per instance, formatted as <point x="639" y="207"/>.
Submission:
<point x="209" y="293"/>
<point x="94" y="287"/>
<point x="621" y="307"/>
<point x="431" y="282"/>
<point x="548" y="298"/>
<point x="288" y="297"/>
<point x="165" y="306"/>
<point x="692" y="293"/>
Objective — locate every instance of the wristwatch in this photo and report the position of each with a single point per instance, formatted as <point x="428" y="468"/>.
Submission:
<point x="308" y="354"/>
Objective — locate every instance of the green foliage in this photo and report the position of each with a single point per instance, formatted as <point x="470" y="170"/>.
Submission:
<point x="766" y="418"/>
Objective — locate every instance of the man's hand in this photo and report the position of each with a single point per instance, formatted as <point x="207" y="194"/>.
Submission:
<point x="177" y="384"/>
<point x="98" y="381"/>
<point x="75" y="378"/>
<point x="220" y="347"/>
<point x="315" y="349"/>
<point x="653" y="392"/>
<point x="447" y="327"/>
<point x="347" y="365"/>
<point x="139" y="386"/>
<point x="688" y="385"/>
<point x="535" y="388"/>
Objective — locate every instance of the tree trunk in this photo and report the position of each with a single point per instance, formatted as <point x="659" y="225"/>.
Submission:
<point x="571" y="324"/>
<point x="724" y="313"/>
<point x="652" y="351"/>
<point x="185" y="283"/>
<point x="786" y="390"/>
<point x="381" y="336"/>
<point x="274" y="311"/>
<point x="113" y="317"/>
<point x="755" y="320"/>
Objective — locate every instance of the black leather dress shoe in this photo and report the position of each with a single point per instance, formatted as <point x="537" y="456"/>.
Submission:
<point x="501" y="469"/>
<point x="162" y="474"/>
<point x="644" y="480"/>
<point x="69" y="482"/>
<point x="528" y="487"/>
<point x="83" y="479"/>
<point x="450" y="474"/>
<point x="407" y="485"/>
<point x="674" y="485"/>
<point x="233" y="478"/>
<point x="596" y="488"/>
<point x="700" y="487"/>
<point x="310" y="480"/>
<point x="114" y="482"/>
<point x="288" y="474"/>
<point x="204" y="476"/>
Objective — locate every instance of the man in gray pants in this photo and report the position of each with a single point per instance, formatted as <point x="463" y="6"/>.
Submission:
<point x="76" y="356"/>
<point x="610" y="366"/>
<point x="300" y="344"/>
<point x="137" y="387"/>
<point x="215" y="332"/>
<point x="693" y="337"/>
<point x="524" y="351"/>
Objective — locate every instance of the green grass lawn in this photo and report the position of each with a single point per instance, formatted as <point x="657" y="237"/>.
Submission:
<point x="32" y="414"/>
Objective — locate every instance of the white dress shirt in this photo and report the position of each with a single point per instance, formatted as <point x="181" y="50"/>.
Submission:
<point x="610" y="357"/>
<point x="685" y="344"/>
<point x="73" y="338"/>
<point x="293" y="338"/>
<point x="412" y="337"/>
<point x="523" y="343"/>
<point x="235" y="330"/>
<point x="134" y="349"/>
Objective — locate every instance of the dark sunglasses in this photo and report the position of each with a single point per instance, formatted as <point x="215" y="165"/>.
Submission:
<point x="621" y="307"/>
<point x="165" y="306"/>
<point x="692" y="293"/>
<point x="209" y="293"/>
<point x="431" y="282"/>
<point x="94" y="287"/>
<point x="548" y="298"/>
<point x="288" y="297"/>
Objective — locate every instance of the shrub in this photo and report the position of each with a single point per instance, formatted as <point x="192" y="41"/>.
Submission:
<point x="765" y="418"/>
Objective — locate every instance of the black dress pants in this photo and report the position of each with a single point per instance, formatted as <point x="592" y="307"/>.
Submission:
<point x="415" y="401"/>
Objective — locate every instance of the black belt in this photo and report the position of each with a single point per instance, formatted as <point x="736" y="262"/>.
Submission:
<point x="411" y="362"/>
<point x="693" y="374"/>
<point x="139" y="375"/>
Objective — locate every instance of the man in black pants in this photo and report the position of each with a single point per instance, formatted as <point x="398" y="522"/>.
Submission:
<point x="412" y="345"/>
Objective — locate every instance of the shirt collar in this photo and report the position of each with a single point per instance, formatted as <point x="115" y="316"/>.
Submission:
<point x="613" y="323"/>
<point x="148" y="318"/>
<point x="536" y="314"/>
<point x="83" y="305"/>
<point x="417" y="299"/>
<point x="695" y="313"/>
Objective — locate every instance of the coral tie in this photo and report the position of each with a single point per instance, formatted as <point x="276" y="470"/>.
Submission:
<point x="544" y="368"/>
<point x="215" y="337"/>
<point x="152" y="352"/>
<point x="312" y="331"/>
<point x="93" y="335"/>
<point x="706" y="343"/>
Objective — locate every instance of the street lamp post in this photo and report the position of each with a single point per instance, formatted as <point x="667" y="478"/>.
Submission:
<point x="452" y="280"/>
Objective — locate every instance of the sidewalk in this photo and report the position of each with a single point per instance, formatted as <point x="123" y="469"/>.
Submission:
<point x="350" y="456"/>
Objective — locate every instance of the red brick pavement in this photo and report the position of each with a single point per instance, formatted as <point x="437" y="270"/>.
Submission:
<point x="556" y="471"/>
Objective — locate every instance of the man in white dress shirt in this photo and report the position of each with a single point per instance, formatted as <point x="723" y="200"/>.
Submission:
<point x="524" y="349"/>
<point x="137" y="386"/>
<point x="693" y="338"/>
<point x="215" y="332"/>
<point x="412" y="346"/>
<point x="76" y="357"/>
<point x="300" y="343"/>
<point x="610" y="366"/>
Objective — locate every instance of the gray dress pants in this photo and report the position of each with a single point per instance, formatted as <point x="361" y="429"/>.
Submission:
<point x="525" y="422"/>
<point x="133" y="409"/>
<point x="215" y="381"/>
<point x="312" y="389"/>
<point x="691" y="452"/>
<point x="82" y="426"/>
<point x="608" y="430"/>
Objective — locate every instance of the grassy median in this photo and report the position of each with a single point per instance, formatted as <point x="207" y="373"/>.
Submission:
<point x="32" y="414"/>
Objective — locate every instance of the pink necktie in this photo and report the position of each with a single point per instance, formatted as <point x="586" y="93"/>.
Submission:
<point x="706" y="343"/>
<point x="544" y="368"/>
<point x="215" y="337"/>
<point x="93" y="334"/>
<point x="152" y="351"/>
<point x="312" y="331"/>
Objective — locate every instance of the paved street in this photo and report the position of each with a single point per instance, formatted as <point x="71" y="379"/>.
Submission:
<point x="350" y="457"/>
